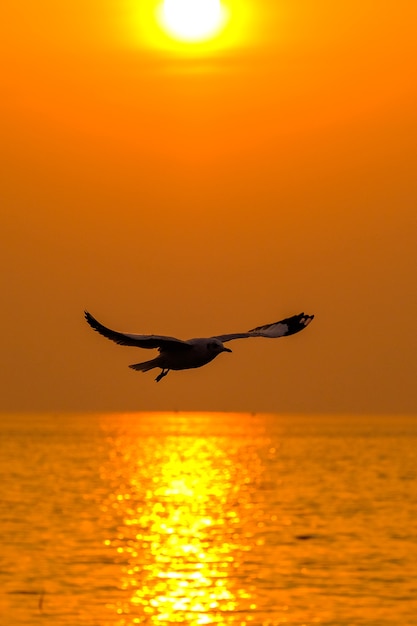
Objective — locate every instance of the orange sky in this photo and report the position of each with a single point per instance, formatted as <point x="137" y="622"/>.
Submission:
<point x="192" y="196"/>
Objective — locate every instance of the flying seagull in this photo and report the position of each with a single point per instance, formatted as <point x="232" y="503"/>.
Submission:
<point x="176" y="354"/>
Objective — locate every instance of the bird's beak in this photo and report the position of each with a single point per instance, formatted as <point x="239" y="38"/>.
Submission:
<point x="226" y="349"/>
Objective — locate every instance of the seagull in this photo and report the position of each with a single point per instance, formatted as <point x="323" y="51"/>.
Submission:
<point x="177" y="354"/>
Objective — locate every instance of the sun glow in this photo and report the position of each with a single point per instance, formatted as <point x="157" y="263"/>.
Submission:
<point x="191" y="28"/>
<point x="192" y="20"/>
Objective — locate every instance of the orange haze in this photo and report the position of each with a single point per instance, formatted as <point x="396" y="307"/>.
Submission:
<point x="193" y="195"/>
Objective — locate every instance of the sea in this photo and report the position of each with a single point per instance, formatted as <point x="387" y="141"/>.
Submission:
<point x="208" y="519"/>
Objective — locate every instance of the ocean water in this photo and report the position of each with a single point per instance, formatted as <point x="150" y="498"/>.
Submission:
<point x="187" y="518"/>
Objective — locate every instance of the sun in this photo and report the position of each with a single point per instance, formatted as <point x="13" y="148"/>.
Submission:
<point x="191" y="29"/>
<point x="192" y="20"/>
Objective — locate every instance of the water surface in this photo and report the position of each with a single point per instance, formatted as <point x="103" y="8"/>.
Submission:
<point x="174" y="518"/>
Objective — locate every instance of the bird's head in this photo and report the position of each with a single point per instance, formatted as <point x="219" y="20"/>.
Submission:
<point x="215" y="346"/>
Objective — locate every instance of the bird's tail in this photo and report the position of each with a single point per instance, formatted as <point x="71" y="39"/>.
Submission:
<point x="146" y="366"/>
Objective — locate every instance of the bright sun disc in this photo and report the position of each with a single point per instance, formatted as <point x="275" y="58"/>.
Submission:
<point x="192" y="20"/>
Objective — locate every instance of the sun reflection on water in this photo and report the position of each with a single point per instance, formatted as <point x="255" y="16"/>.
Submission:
<point x="181" y="506"/>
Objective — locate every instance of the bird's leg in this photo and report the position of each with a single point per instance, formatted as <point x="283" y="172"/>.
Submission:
<point x="161" y="375"/>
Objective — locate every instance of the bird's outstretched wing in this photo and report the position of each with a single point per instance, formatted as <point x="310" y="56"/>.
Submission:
<point x="288" y="326"/>
<point x="138" y="341"/>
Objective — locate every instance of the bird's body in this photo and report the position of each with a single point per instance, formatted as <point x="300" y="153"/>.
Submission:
<point x="176" y="354"/>
<point x="199" y="352"/>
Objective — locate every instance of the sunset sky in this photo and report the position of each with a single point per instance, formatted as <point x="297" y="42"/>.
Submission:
<point x="198" y="189"/>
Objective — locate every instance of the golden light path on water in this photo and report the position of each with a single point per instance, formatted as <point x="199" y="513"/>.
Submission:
<point x="185" y="511"/>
